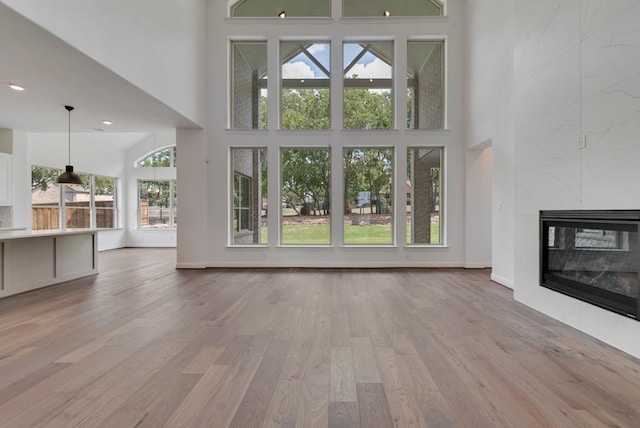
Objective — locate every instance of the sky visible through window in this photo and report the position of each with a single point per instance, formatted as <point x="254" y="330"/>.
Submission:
<point x="301" y="66"/>
<point x="367" y="67"/>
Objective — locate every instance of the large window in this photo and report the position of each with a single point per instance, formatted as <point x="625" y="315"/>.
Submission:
<point x="249" y="169"/>
<point x="157" y="204"/>
<point x="67" y="207"/>
<point x="249" y="85"/>
<point x="424" y="195"/>
<point x="306" y="196"/>
<point x="368" y="217"/>
<point x="306" y="77"/>
<point x="368" y="83"/>
<point x="425" y="84"/>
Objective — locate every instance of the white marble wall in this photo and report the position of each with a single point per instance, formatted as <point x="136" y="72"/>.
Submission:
<point x="577" y="74"/>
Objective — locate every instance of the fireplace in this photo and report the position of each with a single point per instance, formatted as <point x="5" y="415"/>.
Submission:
<point x="593" y="256"/>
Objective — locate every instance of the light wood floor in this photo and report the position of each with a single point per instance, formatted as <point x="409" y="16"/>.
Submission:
<point x="142" y="344"/>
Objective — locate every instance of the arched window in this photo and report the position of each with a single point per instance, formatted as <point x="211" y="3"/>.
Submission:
<point x="274" y="8"/>
<point x="164" y="157"/>
<point x="356" y="8"/>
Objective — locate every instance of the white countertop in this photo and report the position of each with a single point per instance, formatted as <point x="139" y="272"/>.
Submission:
<point x="26" y="233"/>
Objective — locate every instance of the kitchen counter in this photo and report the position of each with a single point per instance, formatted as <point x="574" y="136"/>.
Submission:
<point x="35" y="259"/>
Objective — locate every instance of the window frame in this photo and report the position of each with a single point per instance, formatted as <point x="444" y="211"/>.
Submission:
<point x="172" y="198"/>
<point x="62" y="206"/>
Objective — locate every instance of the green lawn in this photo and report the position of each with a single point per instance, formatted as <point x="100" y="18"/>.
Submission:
<point x="373" y="234"/>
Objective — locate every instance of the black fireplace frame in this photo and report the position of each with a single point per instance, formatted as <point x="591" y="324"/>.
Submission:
<point x="623" y="220"/>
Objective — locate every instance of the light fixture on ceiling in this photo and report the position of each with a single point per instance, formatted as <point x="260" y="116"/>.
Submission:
<point x="386" y="13"/>
<point x="154" y="190"/>
<point x="282" y="14"/>
<point x="68" y="176"/>
<point x="16" y="87"/>
<point x="107" y="122"/>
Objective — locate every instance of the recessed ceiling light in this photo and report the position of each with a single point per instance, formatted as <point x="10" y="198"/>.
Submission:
<point x="16" y="87"/>
<point x="107" y="122"/>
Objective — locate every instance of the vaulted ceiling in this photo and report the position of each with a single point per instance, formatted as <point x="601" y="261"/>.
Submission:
<point x="56" y="74"/>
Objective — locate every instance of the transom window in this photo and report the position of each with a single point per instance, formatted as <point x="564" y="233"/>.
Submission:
<point x="387" y="8"/>
<point x="368" y="83"/>
<point x="306" y="78"/>
<point x="249" y="85"/>
<point x="275" y="8"/>
<point x="164" y="158"/>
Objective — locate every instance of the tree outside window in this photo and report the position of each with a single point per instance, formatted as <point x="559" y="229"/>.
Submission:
<point x="368" y="196"/>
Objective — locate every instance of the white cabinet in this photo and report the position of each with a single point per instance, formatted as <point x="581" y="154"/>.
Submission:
<point x="6" y="179"/>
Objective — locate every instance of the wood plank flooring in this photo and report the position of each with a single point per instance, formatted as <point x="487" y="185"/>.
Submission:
<point x="144" y="345"/>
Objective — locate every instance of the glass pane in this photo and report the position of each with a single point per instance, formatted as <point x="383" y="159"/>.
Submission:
<point x="273" y="8"/>
<point x="105" y="218"/>
<point x="368" y="195"/>
<point x="45" y="199"/>
<point x="424" y="187"/>
<point x="77" y="201"/>
<point x="249" y="85"/>
<point x="77" y="216"/>
<point x="306" y="195"/>
<point x="161" y="158"/>
<point x="368" y="82"/>
<point x="306" y="78"/>
<point x="392" y="8"/>
<point x="603" y="256"/>
<point x="249" y="169"/>
<point x="425" y="85"/>
<point x="104" y="200"/>
<point x="155" y="210"/>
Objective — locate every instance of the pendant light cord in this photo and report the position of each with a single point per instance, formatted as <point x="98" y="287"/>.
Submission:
<point x="69" y="108"/>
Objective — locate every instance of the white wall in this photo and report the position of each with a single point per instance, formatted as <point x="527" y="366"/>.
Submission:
<point x="489" y="121"/>
<point x="219" y="139"/>
<point x="577" y="72"/>
<point x="193" y="211"/>
<point x="478" y="207"/>
<point x="158" y="45"/>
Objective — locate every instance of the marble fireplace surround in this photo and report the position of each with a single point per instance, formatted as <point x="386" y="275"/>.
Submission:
<point x="593" y="256"/>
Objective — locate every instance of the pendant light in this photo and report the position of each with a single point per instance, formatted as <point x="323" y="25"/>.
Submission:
<point x="69" y="177"/>
<point x="154" y="190"/>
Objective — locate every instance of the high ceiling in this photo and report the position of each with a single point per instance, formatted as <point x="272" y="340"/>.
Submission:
<point x="56" y="74"/>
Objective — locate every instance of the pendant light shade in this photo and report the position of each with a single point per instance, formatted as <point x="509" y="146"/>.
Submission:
<point x="68" y="176"/>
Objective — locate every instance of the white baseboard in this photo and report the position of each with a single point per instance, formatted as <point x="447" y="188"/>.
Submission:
<point x="191" y="266"/>
<point x="477" y="265"/>
<point x="502" y="280"/>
